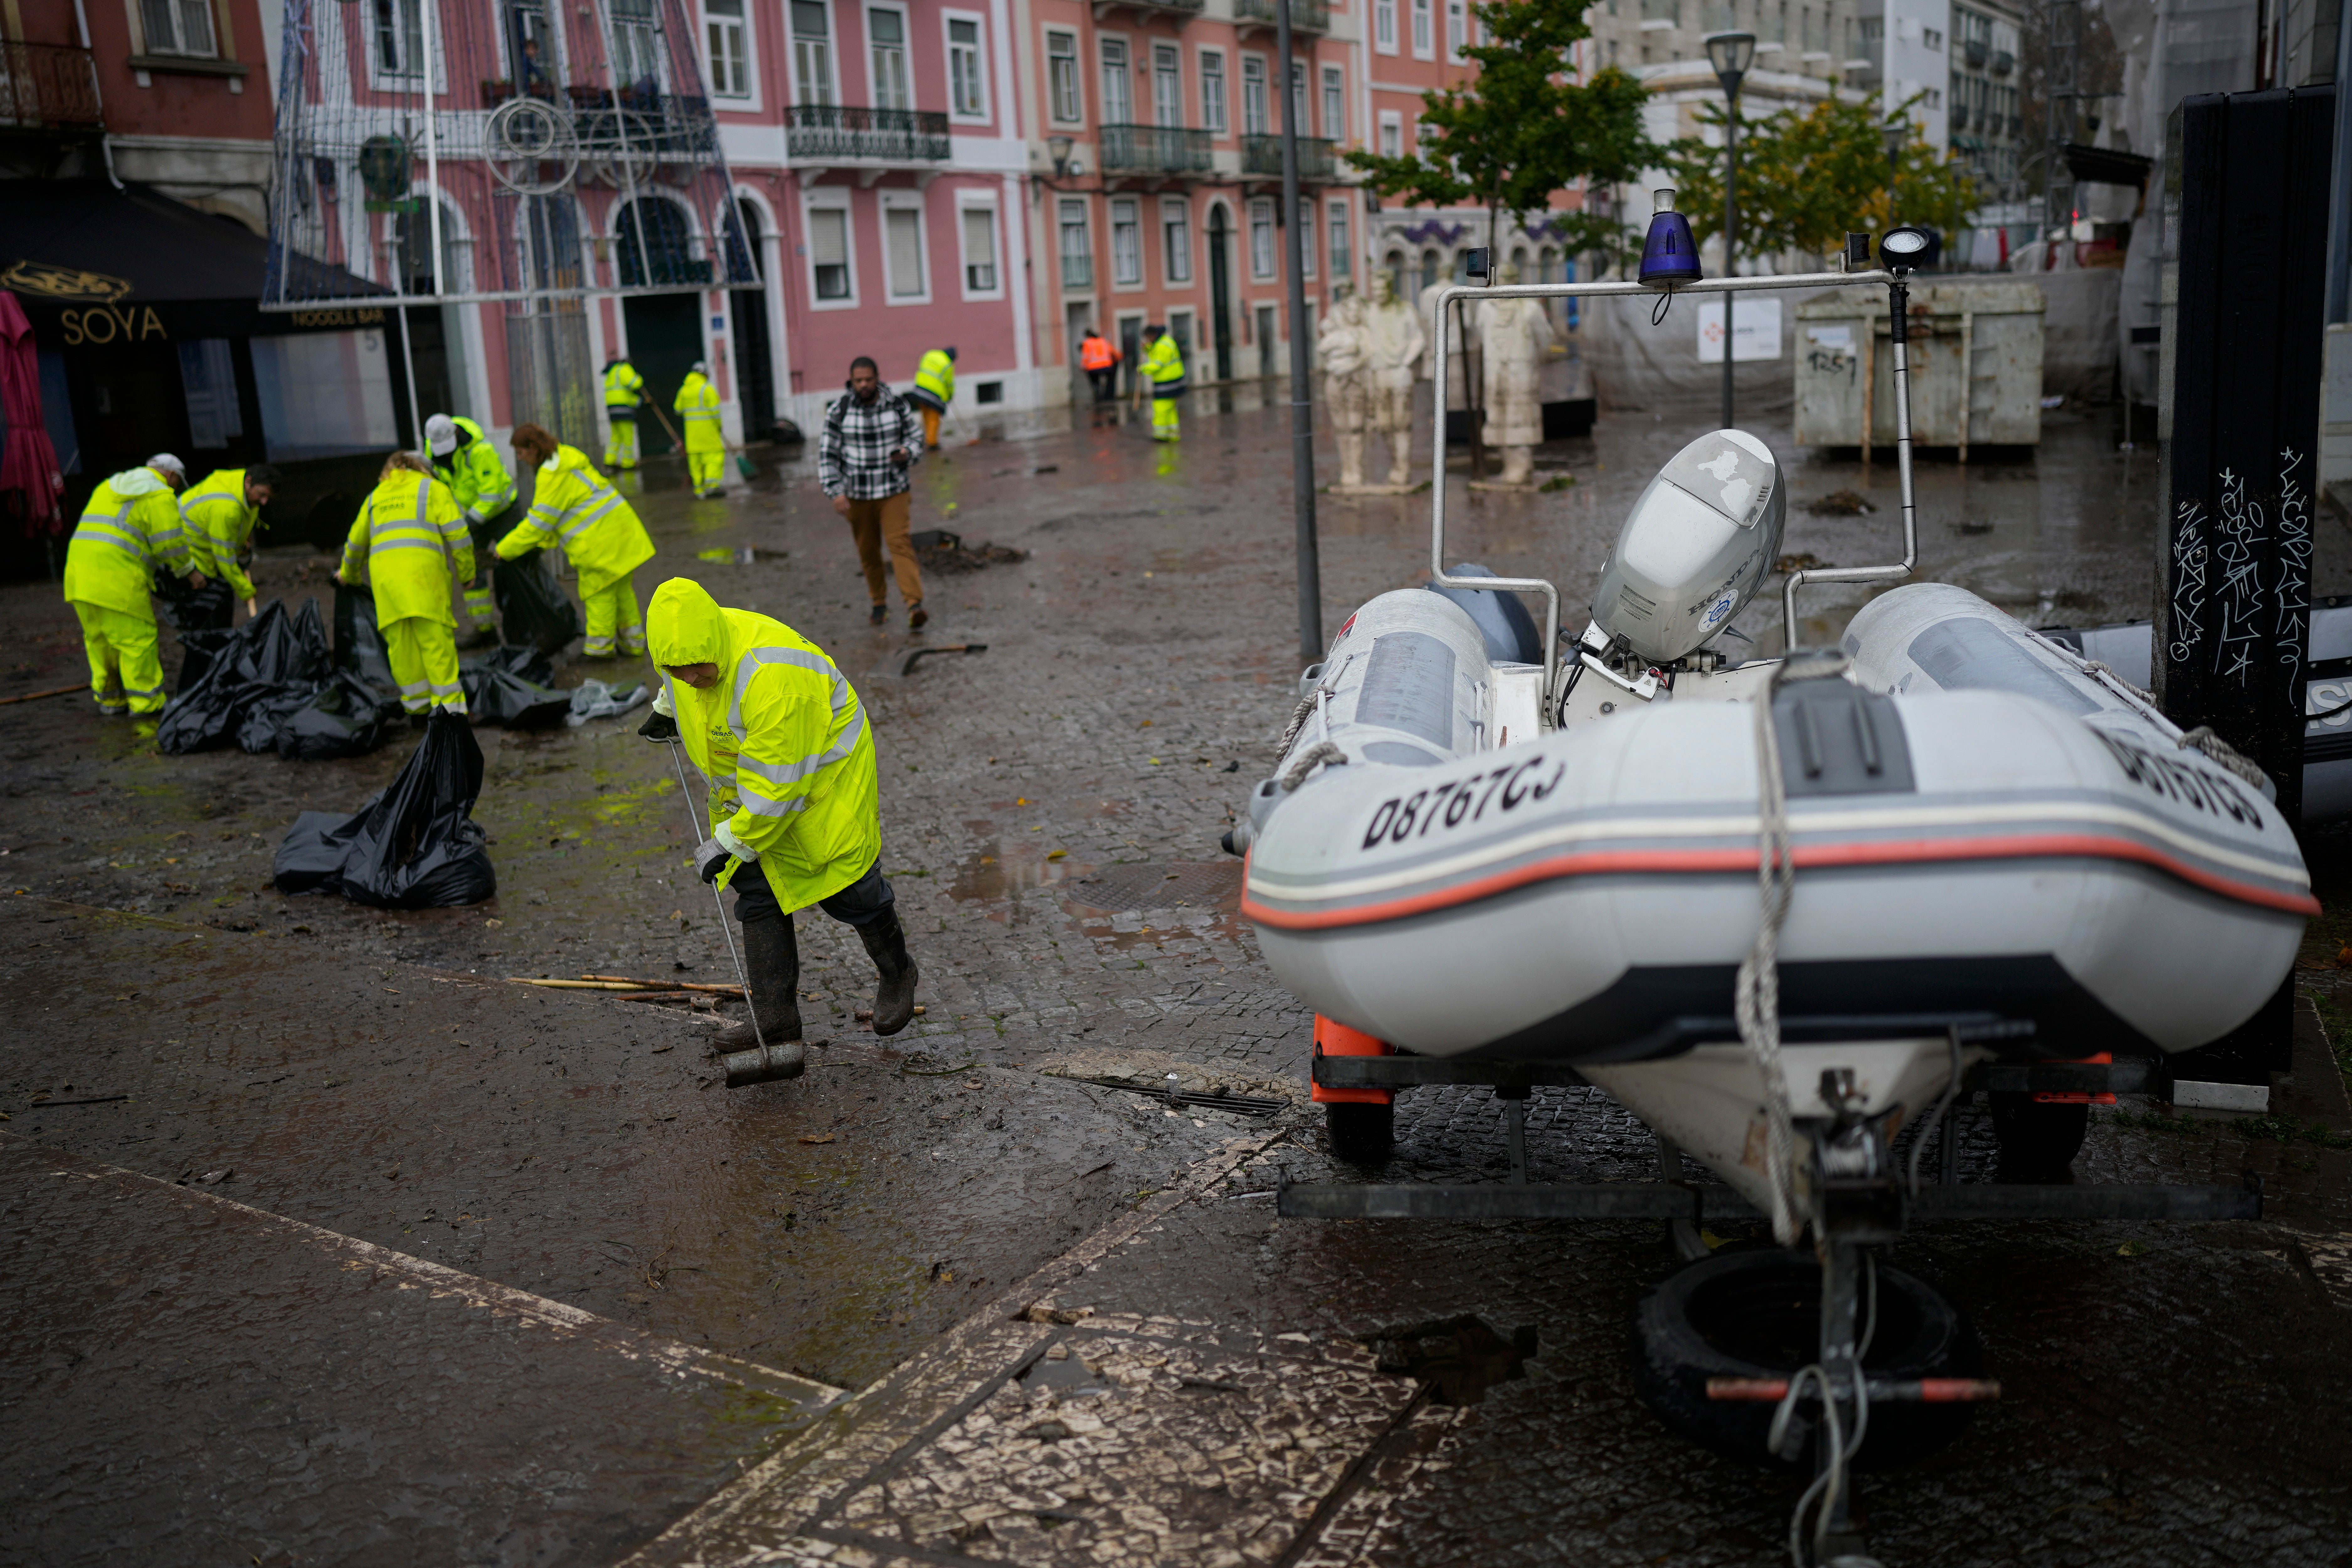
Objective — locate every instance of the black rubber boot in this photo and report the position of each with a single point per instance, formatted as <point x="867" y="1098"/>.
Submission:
<point x="771" y="958"/>
<point x="894" y="999"/>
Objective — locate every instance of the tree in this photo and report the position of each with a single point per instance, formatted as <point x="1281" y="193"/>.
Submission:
<point x="1808" y="176"/>
<point x="1520" y="130"/>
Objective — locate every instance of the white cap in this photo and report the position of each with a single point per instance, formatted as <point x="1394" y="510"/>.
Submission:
<point x="698" y="368"/>
<point x="1663" y="200"/>
<point x="441" y="435"/>
<point x="169" y="464"/>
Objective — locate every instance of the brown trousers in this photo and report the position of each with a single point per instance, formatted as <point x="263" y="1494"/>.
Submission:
<point x="877" y="523"/>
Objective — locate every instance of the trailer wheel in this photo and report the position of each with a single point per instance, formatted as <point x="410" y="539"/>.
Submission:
<point x="2038" y="1139"/>
<point x="1360" y="1134"/>
<point x="1757" y="1313"/>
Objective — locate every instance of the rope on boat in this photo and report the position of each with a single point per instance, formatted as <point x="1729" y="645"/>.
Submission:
<point x="1320" y="751"/>
<point x="2203" y="739"/>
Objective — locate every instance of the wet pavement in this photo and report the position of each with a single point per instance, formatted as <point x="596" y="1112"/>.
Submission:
<point x="329" y="1242"/>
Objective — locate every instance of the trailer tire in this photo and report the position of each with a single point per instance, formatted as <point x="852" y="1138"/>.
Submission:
<point x="1756" y="1312"/>
<point x="1360" y="1134"/>
<point x="2038" y="1140"/>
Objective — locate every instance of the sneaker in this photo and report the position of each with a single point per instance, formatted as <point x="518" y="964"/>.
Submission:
<point x="917" y="616"/>
<point x="881" y="612"/>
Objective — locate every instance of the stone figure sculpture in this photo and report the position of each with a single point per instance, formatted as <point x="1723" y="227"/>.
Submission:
<point x="1395" y="343"/>
<point x="1339" y="349"/>
<point x="1514" y="334"/>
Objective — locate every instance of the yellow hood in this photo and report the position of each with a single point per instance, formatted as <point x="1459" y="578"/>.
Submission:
<point x="683" y="625"/>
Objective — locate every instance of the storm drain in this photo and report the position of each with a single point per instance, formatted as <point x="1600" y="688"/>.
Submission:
<point x="1130" y="889"/>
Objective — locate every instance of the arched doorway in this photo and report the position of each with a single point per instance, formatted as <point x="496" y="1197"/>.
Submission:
<point x="1431" y="263"/>
<point x="654" y="246"/>
<point x="1220" y="289"/>
<point x="755" y="369"/>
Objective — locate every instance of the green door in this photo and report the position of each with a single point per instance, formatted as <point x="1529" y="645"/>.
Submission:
<point x="665" y="340"/>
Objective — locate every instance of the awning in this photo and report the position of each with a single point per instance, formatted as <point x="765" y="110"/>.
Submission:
<point x="93" y="263"/>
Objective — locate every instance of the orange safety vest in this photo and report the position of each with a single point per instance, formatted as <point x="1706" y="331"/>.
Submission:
<point x="1095" y="353"/>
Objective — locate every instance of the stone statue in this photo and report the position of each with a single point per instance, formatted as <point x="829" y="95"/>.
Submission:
<point x="1457" y="351"/>
<point x="1395" y="343"/>
<point x="1516" y="335"/>
<point x="1339" y="349"/>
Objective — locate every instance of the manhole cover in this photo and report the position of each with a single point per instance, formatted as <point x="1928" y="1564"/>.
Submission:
<point x="1122" y="889"/>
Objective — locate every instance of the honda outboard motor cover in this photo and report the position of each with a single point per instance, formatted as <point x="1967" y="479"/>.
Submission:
<point x="1695" y="549"/>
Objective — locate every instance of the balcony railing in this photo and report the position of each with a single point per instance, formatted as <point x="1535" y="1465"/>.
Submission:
<point x="1262" y="155"/>
<point x="47" y="87"/>
<point x="876" y="135"/>
<point x="1154" y="150"/>
<point x="1978" y="51"/>
<point x="1306" y="15"/>
<point x="1186" y="7"/>
<point x="2003" y="62"/>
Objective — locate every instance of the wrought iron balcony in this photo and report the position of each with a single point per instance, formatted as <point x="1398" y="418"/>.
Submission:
<point x="1262" y="155"/>
<point x="2003" y="62"/>
<point x="47" y="87"/>
<point x="1154" y="150"/>
<point x="1306" y="15"/>
<point x="820" y="131"/>
<point x="1146" y="7"/>
<point x="1978" y="51"/>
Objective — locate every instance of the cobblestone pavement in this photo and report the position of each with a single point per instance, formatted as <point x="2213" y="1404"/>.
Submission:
<point x="1072" y="1327"/>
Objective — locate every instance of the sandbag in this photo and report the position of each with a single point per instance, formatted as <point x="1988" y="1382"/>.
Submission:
<point x="414" y="845"/>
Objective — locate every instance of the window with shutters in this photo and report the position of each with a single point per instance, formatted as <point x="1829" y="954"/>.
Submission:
<point x="1167" y="87"/>
<point x="828" y="232"/>
<point x="1078" y="246"/>
<point x="1384" y="36"/>
<point x="186" y="27"/>
<point x="812" y="52"/>
<point x="1212" y="91"/>
<point x="1261" y="227"/>
<point x="1117" y="101"/>
<point x="979" y="250"/>
<point x="1424" y="36"/>
<point x="886" y="40"/>
<point x="902" y="252"/>
<point x="1254" y="101"/>
<point x="1062" y="77"/>
<point x="1176" y="239"/>
<point x="967" y="91"/>
<point x="1127" y="243"/>
<point x="728" y="44"/>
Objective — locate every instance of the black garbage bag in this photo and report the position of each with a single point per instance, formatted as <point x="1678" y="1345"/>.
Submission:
<point x="202" y="716"/>
<point x="257" y="729"/>
<point x="509" y="686"/>
<point x="278" y="649"/>
<point x="533" y="609"/>
<point x="209" y="609"/>
<point x="251" y="676"/>
<point x="414" y="847"/>
<point x="197" y="652"/>
<point x="359" y="641"/>
<point x="345" y="717"/>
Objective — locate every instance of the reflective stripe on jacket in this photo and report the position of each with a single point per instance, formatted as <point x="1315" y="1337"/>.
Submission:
<point x="697" y="404"/>
<point x="1095" y="353"/>
<point x="478" y="481"/>
<point x="624" y="387"/>
<point x="216" y="520"/>
<point x="131" y="526"/>
<point x="407" y="542"/>
<point x="782" y="737"/>
<point x="936" y="375"/>
<point x="576" y="506"/>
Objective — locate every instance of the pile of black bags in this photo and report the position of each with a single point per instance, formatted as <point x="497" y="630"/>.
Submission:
<point x="414" y="845"/>
<point x="273" y="684"/>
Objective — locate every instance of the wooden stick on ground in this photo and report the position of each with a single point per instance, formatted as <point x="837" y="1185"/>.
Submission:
<point x="669" y="984"/>
<point x="36" y="696"/>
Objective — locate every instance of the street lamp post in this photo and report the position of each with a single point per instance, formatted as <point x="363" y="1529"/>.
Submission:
<point x="1730" y="54"/>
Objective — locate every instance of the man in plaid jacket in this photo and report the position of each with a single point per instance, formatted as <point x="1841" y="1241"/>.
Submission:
<point x="870" y="442"/>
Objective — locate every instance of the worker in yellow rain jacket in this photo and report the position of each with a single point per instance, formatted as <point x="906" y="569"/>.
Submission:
<point x="408" y="544"/>
<point x="217" y="516"/>
<point x="576" y="506"/>
<point x="624" y="389"/>
<point x="1163" y="367"/>
<point x="131" y="526"/>
<point x="784" y="743"/>
<point x="934" y="389"/>
<point x="706" y="448"/>
<point x="465" y="460"/>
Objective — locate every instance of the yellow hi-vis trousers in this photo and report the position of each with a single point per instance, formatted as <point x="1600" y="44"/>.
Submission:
<point x="1163" y="419"/>
<point x="424" y="655"/>
<point x="706" y="469"/>
<point x="614" y="610"/>
<point x="620" y="443"/>
<point x="126" y="675"/>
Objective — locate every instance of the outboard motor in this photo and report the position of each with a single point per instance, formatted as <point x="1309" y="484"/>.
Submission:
<point x="1693" y="552"/>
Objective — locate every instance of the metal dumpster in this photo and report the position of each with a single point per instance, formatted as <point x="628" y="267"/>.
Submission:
<point x="1976" y="349"/>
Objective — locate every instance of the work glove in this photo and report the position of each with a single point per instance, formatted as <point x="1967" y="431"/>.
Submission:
<point x="658" y="728"/>
<point x="711" y="858"/>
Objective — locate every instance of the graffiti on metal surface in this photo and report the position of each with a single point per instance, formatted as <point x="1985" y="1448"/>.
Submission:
<point x="2188" y="581"/>
<point x="2294" y="562"/>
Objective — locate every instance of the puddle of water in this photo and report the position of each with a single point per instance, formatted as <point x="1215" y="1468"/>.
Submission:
<point x="992" y="874"/>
